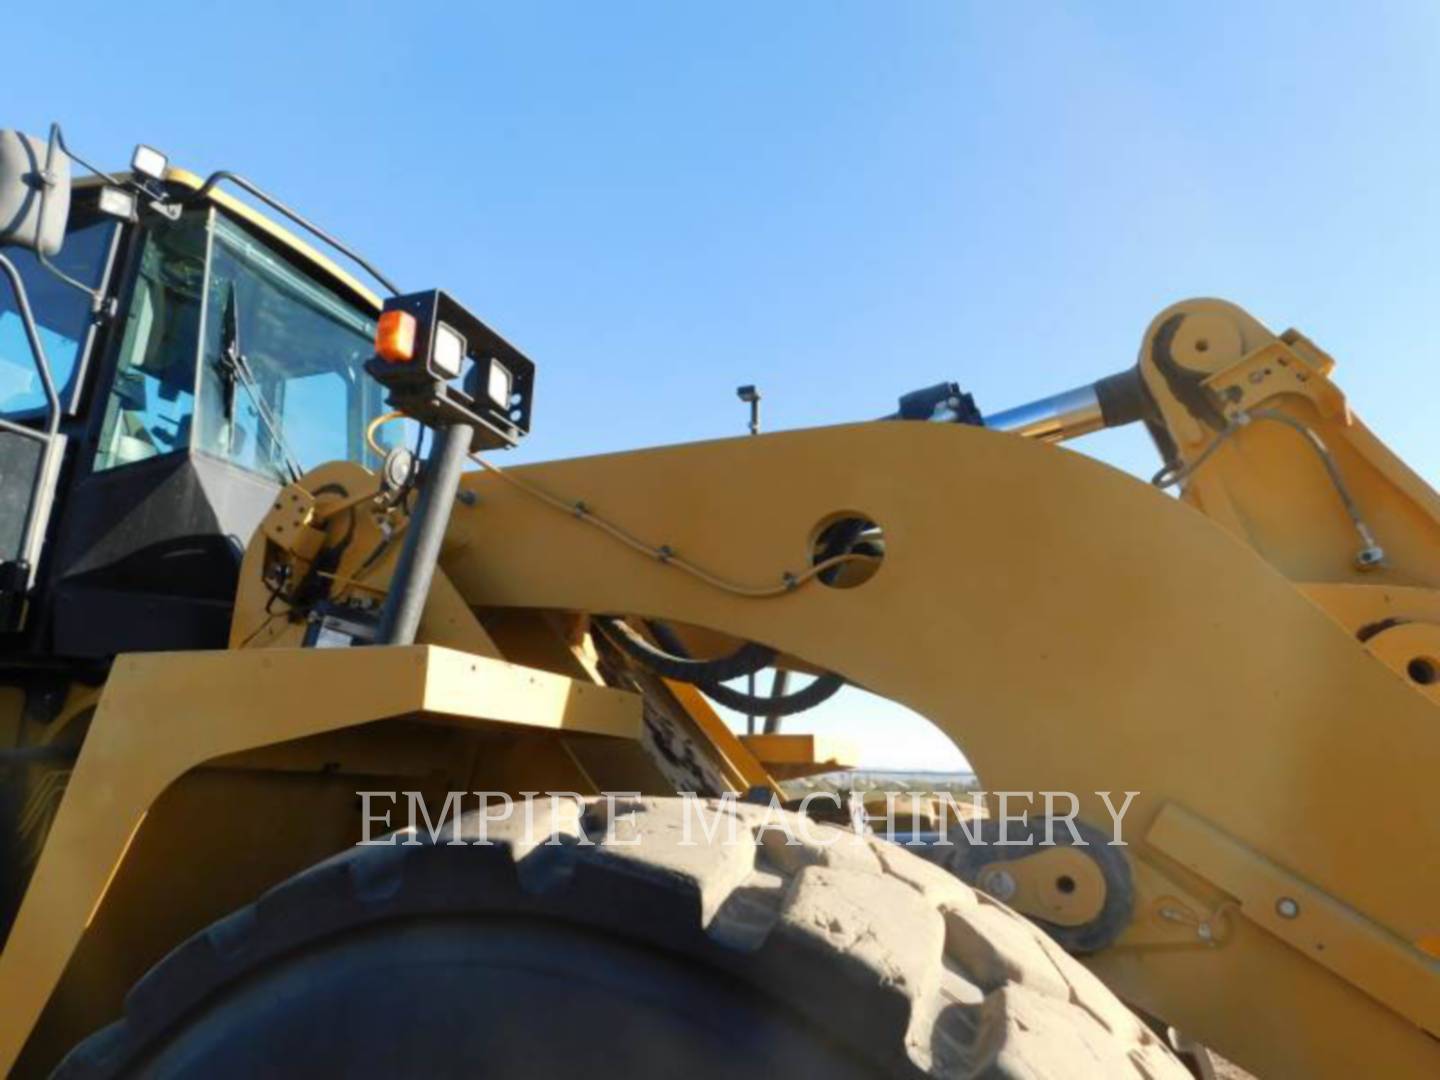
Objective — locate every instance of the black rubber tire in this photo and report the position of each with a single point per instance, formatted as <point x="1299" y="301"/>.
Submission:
<point x="620" y="950"/>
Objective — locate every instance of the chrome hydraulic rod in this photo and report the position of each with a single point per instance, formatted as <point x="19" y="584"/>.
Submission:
<point x="1110" y="402"/>
<point x="1054" y="418"/>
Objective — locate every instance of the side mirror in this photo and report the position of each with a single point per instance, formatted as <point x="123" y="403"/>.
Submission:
<point x="34" y="202"/>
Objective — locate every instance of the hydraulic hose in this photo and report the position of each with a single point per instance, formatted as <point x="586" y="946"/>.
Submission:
<point x="673" y="661"/>
<point x="676" y="664"/>
<point x="821" y="690"/>
<point x="842" y="538"/>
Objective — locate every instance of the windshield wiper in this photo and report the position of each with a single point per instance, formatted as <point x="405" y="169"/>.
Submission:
<point x="235" y="371"/>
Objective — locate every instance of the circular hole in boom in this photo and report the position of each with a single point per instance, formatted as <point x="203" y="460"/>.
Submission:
<point x="853" y="543"/>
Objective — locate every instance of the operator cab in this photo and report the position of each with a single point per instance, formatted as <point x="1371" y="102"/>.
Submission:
<point x="199" y="357"/>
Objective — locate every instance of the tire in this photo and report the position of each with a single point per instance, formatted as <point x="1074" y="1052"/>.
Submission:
<point x="620" y="950"/>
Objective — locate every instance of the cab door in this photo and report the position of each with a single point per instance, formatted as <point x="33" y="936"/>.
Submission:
<point x="41" y="385"/>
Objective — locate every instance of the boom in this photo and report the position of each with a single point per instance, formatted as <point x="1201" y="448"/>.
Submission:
<point x="1073" y="629"/>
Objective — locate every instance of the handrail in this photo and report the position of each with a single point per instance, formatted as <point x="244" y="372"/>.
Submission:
<point x="275" y="204"/>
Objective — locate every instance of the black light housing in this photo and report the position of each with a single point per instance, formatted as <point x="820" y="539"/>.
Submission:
<point x="448" y="367"/>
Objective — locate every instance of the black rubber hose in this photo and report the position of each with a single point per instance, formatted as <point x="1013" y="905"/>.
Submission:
<point x="676" y="663"/>
<point x="822" y="689"/>
<point x="840" y="539"/>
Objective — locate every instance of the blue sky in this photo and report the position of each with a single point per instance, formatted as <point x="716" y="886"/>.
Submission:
<point x="839" y="201"/>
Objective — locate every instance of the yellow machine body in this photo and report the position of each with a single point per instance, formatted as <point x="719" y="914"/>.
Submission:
<point x="1223" y="656"/>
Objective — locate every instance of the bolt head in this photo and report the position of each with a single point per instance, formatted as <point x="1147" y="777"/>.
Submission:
<point x="1287" y="908"/>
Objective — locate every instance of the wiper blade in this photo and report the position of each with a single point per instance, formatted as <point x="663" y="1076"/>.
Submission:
<point x="229" y="362"/>
<point x="235" y="371"/>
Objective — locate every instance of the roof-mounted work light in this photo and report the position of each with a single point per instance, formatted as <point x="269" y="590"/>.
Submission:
<point x="149" y="163"/>
<point x="444" y="366"/>
<point x="117" y="203"/>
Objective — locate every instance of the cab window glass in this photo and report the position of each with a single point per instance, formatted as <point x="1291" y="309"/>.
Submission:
<point x="62" y="317"/>
<point x="152" y="400"/>
<point x="283" y="380"/>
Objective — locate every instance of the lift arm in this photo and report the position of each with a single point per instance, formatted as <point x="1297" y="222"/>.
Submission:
<point x="1074" y="629"/>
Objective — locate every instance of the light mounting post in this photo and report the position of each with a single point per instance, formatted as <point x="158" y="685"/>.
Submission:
<point x="750" y="394"/>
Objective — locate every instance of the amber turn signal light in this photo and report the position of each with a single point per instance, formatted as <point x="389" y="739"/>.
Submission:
<point x="395" y="337"/>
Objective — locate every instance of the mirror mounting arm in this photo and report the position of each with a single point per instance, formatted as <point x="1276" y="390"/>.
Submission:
<point x="37" y="347"/>
<point x="57" y="142"/>
<point x="47" y="182"/>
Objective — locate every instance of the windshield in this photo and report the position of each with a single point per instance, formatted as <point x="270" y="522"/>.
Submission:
<point x="231" y="349"/>
<point x="62" y="316"/>
<point x="283" y="377"/>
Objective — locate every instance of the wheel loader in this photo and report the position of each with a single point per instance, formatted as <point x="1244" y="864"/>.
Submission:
<point x="332" y="745"/>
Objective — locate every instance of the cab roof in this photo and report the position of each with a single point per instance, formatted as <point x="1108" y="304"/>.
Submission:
<point x="302" y="250"/>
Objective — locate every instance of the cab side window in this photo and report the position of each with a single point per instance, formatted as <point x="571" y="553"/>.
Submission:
<point x="62" y="317"/>
<point x="151" y="409"/>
